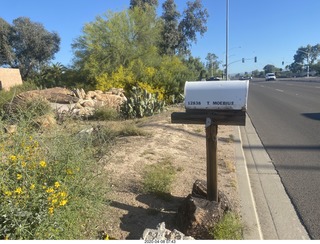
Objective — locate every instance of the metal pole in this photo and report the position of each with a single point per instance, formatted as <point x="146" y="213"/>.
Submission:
<point x="227" y="37"/>
<point x="212" y="166"/>
<point x="308" y="65"/>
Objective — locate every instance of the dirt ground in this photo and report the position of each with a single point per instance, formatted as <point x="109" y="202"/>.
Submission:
<point x="131" y="211"/>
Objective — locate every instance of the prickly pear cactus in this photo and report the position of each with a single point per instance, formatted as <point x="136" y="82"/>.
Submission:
<point x="140" y="104"/>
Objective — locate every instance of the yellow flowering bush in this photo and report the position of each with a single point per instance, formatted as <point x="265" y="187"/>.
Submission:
<point x="29" y="192"/>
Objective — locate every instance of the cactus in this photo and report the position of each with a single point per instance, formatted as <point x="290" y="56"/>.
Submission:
<point x="141" y="103"/>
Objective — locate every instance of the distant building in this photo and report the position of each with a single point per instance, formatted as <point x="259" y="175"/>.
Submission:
<point x="9" y="78"/>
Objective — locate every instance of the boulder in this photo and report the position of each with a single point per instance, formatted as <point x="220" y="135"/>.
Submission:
<point x="197" y="216"/>
<point x="77" y="102"/>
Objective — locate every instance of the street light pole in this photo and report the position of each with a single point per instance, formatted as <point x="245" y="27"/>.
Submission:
<point x="308" y="66"/>
<point x="227" y="37"/>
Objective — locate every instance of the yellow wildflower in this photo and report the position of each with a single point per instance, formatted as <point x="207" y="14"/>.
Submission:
<point x="13" y="158"/>
<point x="54" y="201"/>
<point x="19" y="176"/>
<point x="50" y="190"/>
<point x="18" y="190"/>
<point x="32" y="186"/>
<point x="63" y="194"/>
<point x="23" y="164"/>
<point x="8" y="193"/>
<point x="69" y="172"/>
<point x="43" y="164"/>
<point x="63" y="202"/>
<point x="106" y="237"/>
<point x="50" y="210"/>
<point x="56" y="184"/>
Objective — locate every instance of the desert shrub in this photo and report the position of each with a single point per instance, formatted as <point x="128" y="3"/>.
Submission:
<point x="229" y="228"/>
<point x="158" y="178"/>
<point x="131" y="129"/>
<point x="105" y="113"/>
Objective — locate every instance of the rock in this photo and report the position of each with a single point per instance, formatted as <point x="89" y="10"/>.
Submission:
<point x="11" y="129"/>
<point x="53" y="95"/>
<point x="197" y="215"/>
<point x="45" y="121"/>
<point x="88" y="103"/>
<point x="80" y="93"/>
<point x="81" y="104"/>
<point x="161" y="233"/>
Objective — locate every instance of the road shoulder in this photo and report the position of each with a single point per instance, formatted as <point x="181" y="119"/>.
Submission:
<point x="270" y="215"/>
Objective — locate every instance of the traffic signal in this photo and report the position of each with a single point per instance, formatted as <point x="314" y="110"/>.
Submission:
<point x="255" y="59"/>
<point x="282" y="62"/>
<point x="242" y="60"/>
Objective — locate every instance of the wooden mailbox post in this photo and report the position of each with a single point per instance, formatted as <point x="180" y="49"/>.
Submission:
<point x="213" y="103"/>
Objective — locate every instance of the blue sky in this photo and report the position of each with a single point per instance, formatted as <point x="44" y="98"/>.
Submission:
<point x="271" y="30"/>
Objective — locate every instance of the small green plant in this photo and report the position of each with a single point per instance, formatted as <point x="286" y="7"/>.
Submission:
<point x="105" y="113"/>
<point x="130" y="129"/>
<point x="140" y="104"/>
<point x="229" y="228"/>
<point x="158" y="178"/>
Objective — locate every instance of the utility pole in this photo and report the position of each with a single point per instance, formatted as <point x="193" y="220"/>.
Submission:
<point x="227" y="37"/>
<point x="308" y="66"/>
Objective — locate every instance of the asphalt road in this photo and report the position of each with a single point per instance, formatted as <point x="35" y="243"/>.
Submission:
<point x="286" y="115"/>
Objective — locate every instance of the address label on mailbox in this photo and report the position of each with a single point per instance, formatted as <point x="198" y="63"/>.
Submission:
<point x="216" y="95"/>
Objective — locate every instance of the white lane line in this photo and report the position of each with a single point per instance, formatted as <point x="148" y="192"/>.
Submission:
<point x="279" y="90"/>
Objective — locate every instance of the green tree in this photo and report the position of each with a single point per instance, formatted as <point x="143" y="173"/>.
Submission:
<point x="143" y="4"/>
<point x="316" y="67"/>
<point x="196" y="68"/>
<point x="178" y="34"/>
<point x="170" y="33"/>
<point x="212" y="64"/>
<point x="270" y="68"/>
<point x="255" y="73"/>
<point x="51" y="76"/>
<point x="32" y="44"/>
<point x="193" y="22"/>
<point x="6" y="52"/>
<point x="305" y="56"/>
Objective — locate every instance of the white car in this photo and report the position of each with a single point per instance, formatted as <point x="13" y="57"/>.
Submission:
<point x="270" y="76"/>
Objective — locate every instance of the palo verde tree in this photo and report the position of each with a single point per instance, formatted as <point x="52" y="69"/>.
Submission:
<point x="27" y="45"/>
<point x="115" y="40"/>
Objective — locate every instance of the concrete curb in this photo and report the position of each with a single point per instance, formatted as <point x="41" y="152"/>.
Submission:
<point x="266" y="209"/>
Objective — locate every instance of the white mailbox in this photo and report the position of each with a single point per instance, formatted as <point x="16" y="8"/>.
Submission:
<point x="216" y="95"/>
